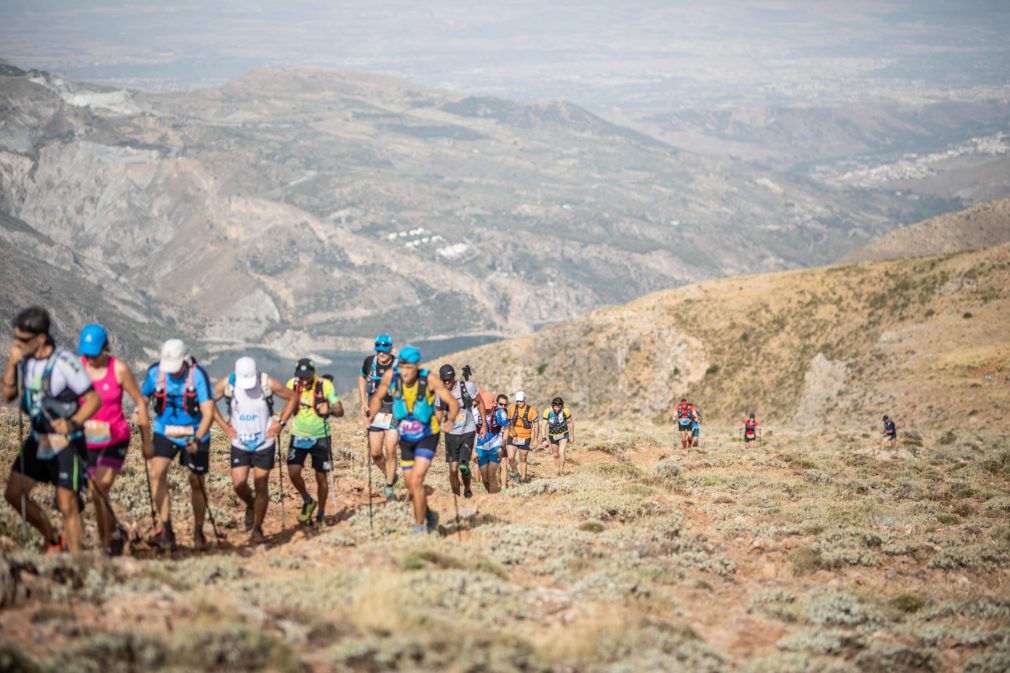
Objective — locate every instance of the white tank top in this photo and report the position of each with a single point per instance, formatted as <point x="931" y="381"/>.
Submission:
<point x="250" y="416"/>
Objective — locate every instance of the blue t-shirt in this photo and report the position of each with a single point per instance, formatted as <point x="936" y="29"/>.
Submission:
<point x="175" y="411"/>
<point x="889" y="429"/>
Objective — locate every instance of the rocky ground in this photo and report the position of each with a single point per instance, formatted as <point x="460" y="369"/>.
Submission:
<point x="806" y="552"/>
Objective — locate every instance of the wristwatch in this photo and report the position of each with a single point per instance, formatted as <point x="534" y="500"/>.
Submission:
<point x="283" y="424"/>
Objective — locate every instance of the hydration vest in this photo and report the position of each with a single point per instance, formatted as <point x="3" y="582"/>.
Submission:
<point x="557" y="423"/>
<point x="526" y="416"/>
<point x="190" y="401"/>
<point x="750" y="428"/>
<point x="373" y="374"/>
<point x="685" y="412"/>
<point x="318" y="398"/>
<point x="422" y="410"/>
<point x="493" y="425"/>
<point x="268" y="393"/>
<point x="50" y="407"/>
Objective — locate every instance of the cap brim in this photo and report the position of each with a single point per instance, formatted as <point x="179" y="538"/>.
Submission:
<point x="383" y="349"/>
<point x="170" y="366"/>
<point x="245" y="382"/>
<point x="89" y="350"/>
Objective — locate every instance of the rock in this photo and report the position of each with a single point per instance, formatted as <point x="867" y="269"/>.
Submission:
<point x="769" y="571"/>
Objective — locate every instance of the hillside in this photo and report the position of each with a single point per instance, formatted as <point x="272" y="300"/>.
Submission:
<point x="835" y="346"/>
<point x="302" y="211"/>
<point x="980" y="226"/>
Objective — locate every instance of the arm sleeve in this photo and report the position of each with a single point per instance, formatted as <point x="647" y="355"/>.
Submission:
<point x="74" y="375"/>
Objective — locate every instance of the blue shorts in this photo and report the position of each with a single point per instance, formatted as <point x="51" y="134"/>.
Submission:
<point x="695" y="430"/>
<point x="557" y="440"/>
<point x="489" y="456"/>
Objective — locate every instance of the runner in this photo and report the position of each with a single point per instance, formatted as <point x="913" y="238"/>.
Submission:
<point x="184" y="410"/>
<point x="559" y="432"/>
<point x="489" y="445"/>
<point x="107" y="433"/>
<point x="382" y="436"/>
<point x="414" y="390"/>
<point x="751" y="430"/>
<point x="58" y="396"/>
<point x="316" y="401"/>
<point x="520" y="436"/>
<point x="461" y="435"/>
<point x="685" y="414"/>
<point x="249" y="395"/>
<point x="889" y="440"/>
<point x="695" y="426"/>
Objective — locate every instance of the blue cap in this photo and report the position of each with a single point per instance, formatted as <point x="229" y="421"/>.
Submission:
<point x="383" y="343"/>
<point x="410" y="355"/>
<point x="93" y="340"/>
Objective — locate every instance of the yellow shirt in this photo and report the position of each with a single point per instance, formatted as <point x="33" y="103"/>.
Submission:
<point x="307" y="423"/>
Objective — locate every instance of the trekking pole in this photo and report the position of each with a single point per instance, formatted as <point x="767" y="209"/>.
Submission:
<point x="333" y="479"/>
<point x="280" y="478"/>
<point x="150" y="494"/>
<point x="21" y="449"/>
<point x="368" y="459"/>
<point x="210" y="512"/>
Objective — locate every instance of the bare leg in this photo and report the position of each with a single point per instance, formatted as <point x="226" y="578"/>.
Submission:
<point x="562" y="447"/>
<point x="36" y="516"/>
<point x="416" y="481"/>
<point x="555" y="451"/>
<point x="523" y="465"/>
<point x="199" y="504"/>
<point x="261" y="482"/>
<point x="73" y="529"/>
<point x="390" y="439"/>
<point x="240" y="482"/>
<point x="100" y="487"/>
<point x="454" y="477"/>
<point x="295" y="472"/>
<point x="375" y="449"/>
<point x="159" y="479"/>
<point x="323" y="491"/>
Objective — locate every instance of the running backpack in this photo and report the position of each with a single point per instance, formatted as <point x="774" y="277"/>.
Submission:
<point x="496" y="421"/>
<point x="190" y="401"/>
<point x="685" y="411"/>
<point x="557" y="423"/>
<point x="318" y="398"/>
<point x="423" y="410"/>
<point x="63" y="405"/>
<point x="373" y="374"/>
<point x="750" y="428"/>
<point x="526" y="416"/>
<point x="268" y="393"/>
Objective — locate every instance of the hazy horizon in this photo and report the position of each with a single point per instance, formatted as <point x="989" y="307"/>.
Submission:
<point x="642" y="57"/>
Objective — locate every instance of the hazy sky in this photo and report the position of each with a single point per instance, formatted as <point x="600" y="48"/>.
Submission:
<point x="636" y="55"/>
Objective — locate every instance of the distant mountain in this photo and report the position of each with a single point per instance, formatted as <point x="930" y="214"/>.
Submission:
<point x="303" y="211"/>
<point x="836" y="346"/>
<point x="980" y="226"/>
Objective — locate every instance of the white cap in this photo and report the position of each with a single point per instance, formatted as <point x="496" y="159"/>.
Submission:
<point x="246" y="376"/>
<point x="520" y="396"/>
<point x="173" y="354"/>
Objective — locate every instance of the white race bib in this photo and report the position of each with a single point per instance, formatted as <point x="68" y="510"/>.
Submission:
<point x="51" y="445"/>
<point x="97" y="432"/>
<point x="179" y="431"/>
<point x="383" y="421"/>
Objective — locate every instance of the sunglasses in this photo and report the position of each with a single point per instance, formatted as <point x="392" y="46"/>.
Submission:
<point x="503" y="404"/>
<point x="25" y="339"/>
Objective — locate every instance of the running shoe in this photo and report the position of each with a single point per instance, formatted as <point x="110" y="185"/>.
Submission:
<point x="419" y="529"/>
<point x="257" y="536"/>
<point x="200" y="541"/>
<point x="431" y="518"/>
<point x="307" y="509"/>
<point x="390" y="495"/>
<point x="467" y="493"/>
<point x="162" y="537"/>
<point x="56" y="546"/>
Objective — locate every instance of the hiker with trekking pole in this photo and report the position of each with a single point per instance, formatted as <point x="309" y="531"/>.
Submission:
<point x="107" y="433"/>
<point x="249" y="397"/>
<point x="315" y="400"/>
<point x="57" y="395"/>
<point x="180" y="391"/>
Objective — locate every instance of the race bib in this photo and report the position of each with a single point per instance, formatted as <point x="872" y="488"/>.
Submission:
<point x="460" y="421"/>
<point x="51" y="445"/>
<point x="304" y="442"/>
<point x="97" y="432"/>
<point x="251" y="442"/>
<point x="411" y="429"/>
<point x="179" y="431"/>
<point x="384" y="421"/>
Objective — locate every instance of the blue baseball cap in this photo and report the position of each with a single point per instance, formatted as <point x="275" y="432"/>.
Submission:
<point x="410" y="355"/>
<point x="383" y="343"/>
<point x="93" y="340"/>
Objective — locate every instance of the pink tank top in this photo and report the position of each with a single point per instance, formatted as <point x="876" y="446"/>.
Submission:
<point x="108" y="426"/>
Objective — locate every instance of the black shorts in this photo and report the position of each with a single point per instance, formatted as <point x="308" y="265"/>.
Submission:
<point x="685" y="428"/>
<point x="521" y="444"/>
<point x="67" y="469"/>
<point x="111" y="457"/>
<point x="198" y="463"/>
<point x="422" y="448"/>
<point x="320" y="452"/>
<point x="264" y="459"/>
<point x="750" y="438"/>
<point x="459" y="448"/>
